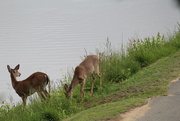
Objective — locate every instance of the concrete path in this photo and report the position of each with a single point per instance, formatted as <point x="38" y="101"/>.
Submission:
<point x="165" y="108"/>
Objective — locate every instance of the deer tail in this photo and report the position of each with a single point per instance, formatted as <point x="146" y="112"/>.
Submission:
<point x="48" y="82"/>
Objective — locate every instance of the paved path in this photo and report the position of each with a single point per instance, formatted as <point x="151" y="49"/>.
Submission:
<point x="165" y="108"/>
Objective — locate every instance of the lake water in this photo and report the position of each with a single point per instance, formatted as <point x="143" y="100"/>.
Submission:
<point x="51" y="35"/>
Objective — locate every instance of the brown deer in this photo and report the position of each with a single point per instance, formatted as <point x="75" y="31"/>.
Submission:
<point x="34" y="83"/>
<point x="85" y="68"/>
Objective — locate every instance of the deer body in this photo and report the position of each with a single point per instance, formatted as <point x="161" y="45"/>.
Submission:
<point x="34" y="83"/>
<point x="85" y="68"/>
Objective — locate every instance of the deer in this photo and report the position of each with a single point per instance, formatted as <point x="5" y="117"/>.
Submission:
<point x="36" y="82"/>
<point x="82" y="71"/>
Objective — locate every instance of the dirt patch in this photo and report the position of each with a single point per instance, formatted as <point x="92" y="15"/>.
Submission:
<point x="112" y="98"/>
<point x="175" y="80"/>
<point x="135" y="113"/>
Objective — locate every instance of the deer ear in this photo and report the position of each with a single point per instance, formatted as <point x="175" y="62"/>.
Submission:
<point x="8" y="67"/>
<point x="17" y="67"/>
<point x="66" y="87"/>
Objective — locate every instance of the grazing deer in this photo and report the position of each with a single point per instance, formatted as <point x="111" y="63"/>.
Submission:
<point x="85" y="68"/>
<point x="34" y="83"/>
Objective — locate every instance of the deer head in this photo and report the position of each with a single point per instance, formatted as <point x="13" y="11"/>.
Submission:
<point x="14" y="71"/>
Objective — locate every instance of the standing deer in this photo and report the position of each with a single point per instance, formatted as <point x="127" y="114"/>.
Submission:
<point x="34" y="83"/>
<point x="85" y="68"/>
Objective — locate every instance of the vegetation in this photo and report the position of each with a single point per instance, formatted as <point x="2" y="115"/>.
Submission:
<point x="119" y="66"/>
<point x="129" y="77"/>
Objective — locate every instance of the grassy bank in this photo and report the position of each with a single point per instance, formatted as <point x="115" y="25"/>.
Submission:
<point x="129" y="77"/>
<point x="148" y="82"/>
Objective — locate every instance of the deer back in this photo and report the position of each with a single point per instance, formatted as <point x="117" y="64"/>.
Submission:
<point x="31" y="84"/>
<point x="90" y="64"/>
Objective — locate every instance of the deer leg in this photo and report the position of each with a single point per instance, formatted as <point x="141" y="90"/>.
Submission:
<point x="99" y="75"/>
<point x="92" y="85"/>
<point x="41" y="95"/>
<point x="82" y="90"/>
<point x="46" y="93"/>
<point x="24" y="100"/>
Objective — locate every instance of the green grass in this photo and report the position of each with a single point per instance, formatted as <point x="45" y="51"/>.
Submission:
<point x="107" y="110"/>
<point x="149" y="82"/>
<point x="129" y="77"/>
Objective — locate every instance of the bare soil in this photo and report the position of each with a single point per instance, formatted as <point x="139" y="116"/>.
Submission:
<point x="134" y="114"/>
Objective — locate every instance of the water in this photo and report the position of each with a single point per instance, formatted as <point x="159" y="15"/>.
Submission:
<point x="50" y="36"/>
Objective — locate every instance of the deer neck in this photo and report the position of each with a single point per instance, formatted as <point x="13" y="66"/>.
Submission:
<point x="72" y="85"/>
<point x="13" y="80"/>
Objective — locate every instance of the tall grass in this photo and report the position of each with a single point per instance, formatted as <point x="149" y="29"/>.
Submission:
<point x="54" y="109"/>
<point x="115" y="67"/>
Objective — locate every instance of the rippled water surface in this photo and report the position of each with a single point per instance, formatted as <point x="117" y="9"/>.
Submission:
<point x="51" y="35"/>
